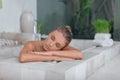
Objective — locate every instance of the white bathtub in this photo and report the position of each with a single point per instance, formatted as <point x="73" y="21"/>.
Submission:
<point x="94" y="58"/>
<point x="82" y="44"/>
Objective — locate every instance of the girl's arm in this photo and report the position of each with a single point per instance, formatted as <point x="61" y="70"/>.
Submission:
<point x="27" y="56"/>
<point x="68" y="52"/>
<point x="35" y="58"/>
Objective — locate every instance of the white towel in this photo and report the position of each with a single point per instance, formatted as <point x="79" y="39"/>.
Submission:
<point x="102" y="36"/>
<point x="103" y="43"/>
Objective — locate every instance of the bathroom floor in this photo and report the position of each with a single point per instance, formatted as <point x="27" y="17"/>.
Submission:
<point x="111" y="71"/>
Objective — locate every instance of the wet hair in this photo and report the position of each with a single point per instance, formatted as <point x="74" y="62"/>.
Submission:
<point x="67" y="33"/>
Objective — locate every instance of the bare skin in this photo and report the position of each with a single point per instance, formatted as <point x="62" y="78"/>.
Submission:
<point x="49" y="50"/>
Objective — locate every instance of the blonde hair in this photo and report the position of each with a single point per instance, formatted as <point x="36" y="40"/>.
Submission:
<point x="67" y="33"/>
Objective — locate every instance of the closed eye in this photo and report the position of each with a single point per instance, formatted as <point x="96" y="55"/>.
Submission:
<point x="58" y="45"/>
<point x="52" y="37"/>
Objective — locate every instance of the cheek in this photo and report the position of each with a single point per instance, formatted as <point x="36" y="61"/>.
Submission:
<point x="47" y="40"/>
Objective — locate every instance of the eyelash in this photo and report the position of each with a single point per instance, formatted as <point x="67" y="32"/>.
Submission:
<point x="57" y="45"/>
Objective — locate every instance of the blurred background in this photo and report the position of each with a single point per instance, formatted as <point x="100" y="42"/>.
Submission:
<point x="79" y="14"/>
<point x="50" y="14"/>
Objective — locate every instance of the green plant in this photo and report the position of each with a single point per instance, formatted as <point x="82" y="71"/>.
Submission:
<point x="39" y="26"/>
<point x="82" y="18"/>
<point x="0" y="3"/>
<point x="102" y="26"/>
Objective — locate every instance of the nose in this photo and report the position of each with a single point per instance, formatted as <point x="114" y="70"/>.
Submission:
<point x="52" y="44"/>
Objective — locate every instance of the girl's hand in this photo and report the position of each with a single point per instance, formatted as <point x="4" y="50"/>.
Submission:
<point x="57" y="58"/>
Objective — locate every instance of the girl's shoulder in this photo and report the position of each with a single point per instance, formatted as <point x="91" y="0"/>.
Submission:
<point x="33" y="43"/>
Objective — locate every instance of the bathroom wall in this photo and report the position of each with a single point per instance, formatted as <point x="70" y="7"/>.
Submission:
<point x="51" y="13"/>
<point x="11" y="11"/>
<point x="116" y="31"/>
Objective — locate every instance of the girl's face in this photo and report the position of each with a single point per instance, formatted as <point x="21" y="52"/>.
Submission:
<point x="55" y="41"/>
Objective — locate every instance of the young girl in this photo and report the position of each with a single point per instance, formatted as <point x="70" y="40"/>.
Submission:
<point x="54" y="48"/>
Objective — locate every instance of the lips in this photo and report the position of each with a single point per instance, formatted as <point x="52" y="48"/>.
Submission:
<point x="46" y="47"/>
